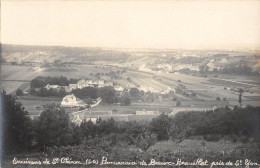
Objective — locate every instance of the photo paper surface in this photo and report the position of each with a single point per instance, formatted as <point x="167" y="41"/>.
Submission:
<point x="130" y="84"/>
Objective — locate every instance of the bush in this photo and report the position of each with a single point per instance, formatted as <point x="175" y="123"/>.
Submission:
<point x="218" y="99"/>
<point x="178" y="103"/>
<point x="233" y="139"/>
<point x="244" y="139"/>
<point x="211" y="137"/>
<point x="145" y="140"/>
<point x="19" y="92"/>
<point x="161" y="126"/>
<point x="193" y="94"/>
<point x="174" y="99"/>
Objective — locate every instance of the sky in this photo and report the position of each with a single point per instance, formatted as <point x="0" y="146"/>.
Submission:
<point x="132" y="24"/>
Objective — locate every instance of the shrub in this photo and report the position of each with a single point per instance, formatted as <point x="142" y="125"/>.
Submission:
<point x="211" y="137"/>
<point x="144" y="141"/>
<point x="218" y="99"/>
<point x="244" y="139"/>
<point x="178" y="103"/>
<point x="234" y="139"/>
<point x="19" y="92"/>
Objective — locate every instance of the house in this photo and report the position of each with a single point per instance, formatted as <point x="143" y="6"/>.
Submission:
<point x="72" y="101"/>
<point x="48" y="86"/>
<point x="82" y="83"/>
<point x="144" y="112"/>
<point x="73" y="86"/>
<point x="90" y="82"/>
<point x="100" y="82"/>
<point x="94" y="120"/>
<point x="67" y="89"/>
<point x="119" y="88"/>
<point x="109" y="84"/>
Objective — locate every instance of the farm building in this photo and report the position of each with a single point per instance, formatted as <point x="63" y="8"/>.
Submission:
<point x="82" y="83"/>
<point x="100" y="82"/>
<point x="94" y="120"/>
<point x="144" y="112"/>
<point x="72" y="101"/>
<point x="119" y="88"/>
<point x="51" y="86"/>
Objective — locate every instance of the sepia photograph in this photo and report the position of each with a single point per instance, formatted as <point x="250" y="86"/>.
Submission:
<point x="127" y="83"/>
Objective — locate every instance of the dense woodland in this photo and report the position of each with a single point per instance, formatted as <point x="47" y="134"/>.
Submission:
<point x="41" y="81"/>
<point x="53" y="132"/>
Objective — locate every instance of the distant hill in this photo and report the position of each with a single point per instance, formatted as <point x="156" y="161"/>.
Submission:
<point x="22" y="53"/>
<point x="163" y="60"/>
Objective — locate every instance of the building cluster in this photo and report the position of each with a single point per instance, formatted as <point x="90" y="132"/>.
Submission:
<point x="71" y="101"/>
<point x="87" y="115"/>
<point x="84" y="83"/>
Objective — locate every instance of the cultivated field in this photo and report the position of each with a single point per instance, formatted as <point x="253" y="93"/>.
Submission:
<point x="206" y="89"/>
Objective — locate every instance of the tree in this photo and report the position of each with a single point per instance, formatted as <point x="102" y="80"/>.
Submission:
<point x="178" y="103"/>
<point x="215" y="70"/>
<point x="126" y="101"/>
<point x="88" y="129"/>
<point x="161" y="126"/>
<point x="241" y="91"/>
<point x="86" y="92"/>
<point x="52" y="127"/>
<point x="145" y="140"/>
<point x="19" y="92"/>
<point x="206" y="69"/>
<point x="107" y="94"/>
<point x="174" y="99"/>
<point x="134" y="92"/>
<point x="16" y="126"/>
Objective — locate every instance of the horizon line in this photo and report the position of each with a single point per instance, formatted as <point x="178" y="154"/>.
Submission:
<point x="137" y="48"/>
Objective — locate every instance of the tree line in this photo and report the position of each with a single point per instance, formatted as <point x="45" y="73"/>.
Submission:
<point x="241" y="69"/>
<point x="40" y="81"/>
<point x="54" y="129"/>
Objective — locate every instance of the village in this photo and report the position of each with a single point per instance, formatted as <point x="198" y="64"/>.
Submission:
<point x="80" y="111"/>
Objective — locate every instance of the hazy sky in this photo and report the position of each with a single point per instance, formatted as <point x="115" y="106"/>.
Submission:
<point x="135" y="24"/>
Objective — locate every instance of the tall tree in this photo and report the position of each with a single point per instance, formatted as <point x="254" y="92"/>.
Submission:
<point x="16" y="125"/>
<point x="241" y="91"/>
<point x="53" y="128"/>
<point x="161" y="126"/>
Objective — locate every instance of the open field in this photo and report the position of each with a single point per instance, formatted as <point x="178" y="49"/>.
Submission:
<point x="34" y="105"/>
<point x="206" y="89"/>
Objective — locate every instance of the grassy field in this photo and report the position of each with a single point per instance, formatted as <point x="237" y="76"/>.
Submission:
<point x="34" y="105"/>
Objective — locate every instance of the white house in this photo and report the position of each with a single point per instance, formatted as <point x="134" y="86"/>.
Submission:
<point x="94" y="120"/>
<point x="72" y="101"/>
<point x="119" y="88"/>
<point x="100" y="82"/>
<point x="90" y="82"/>
<point x="82" y="83"/>
<point x="144" y="112"/>
<point x="51" y="86"/>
